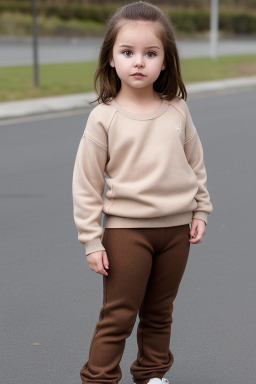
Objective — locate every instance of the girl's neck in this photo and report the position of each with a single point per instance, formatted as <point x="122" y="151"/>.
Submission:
<point x="138" y="100"/>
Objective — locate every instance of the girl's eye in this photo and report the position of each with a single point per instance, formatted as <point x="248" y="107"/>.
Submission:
<point x="151" y="54"/>
<point x="127" y="53"/>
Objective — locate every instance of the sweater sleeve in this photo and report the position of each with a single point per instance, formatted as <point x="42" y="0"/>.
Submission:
<point x="195" y="157"/>
<point x="88" y="184"/>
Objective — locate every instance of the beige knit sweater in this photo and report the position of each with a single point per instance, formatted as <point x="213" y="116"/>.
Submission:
<point x="152" y="165"/>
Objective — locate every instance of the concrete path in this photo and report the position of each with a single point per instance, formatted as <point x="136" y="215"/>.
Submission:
<point x="50" y="299"/>
<point x="67" y="103"/>
<point x="19" y="52"/>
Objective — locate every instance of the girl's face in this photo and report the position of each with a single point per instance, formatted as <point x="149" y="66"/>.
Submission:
<point x="138" y="54"/>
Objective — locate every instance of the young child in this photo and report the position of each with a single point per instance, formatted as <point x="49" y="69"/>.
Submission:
<point x="141" y="135"/>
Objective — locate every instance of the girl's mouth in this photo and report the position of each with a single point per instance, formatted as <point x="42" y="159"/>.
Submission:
<point x="138" y="75"/>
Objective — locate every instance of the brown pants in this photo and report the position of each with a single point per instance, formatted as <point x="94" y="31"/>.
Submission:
<point x="146" y="266"/>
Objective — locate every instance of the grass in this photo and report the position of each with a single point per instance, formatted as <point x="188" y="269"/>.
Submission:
<point x="204" y="69"/>
<point x="55" y="79"/>
<point x="69" y="78"/>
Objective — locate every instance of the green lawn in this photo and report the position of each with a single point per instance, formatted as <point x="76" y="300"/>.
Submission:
<point x="59" y="79"/>
<point x="204" y="69"/>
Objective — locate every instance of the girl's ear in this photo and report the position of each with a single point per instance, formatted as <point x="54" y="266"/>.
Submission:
<point x="111" y="62"/>
<point x="163" y="66"/>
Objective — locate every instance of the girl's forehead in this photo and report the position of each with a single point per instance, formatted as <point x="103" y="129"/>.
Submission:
<point x="138" y="31"/>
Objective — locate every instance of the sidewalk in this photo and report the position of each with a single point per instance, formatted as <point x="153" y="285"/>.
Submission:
<point x="81" y="101"/>
<point x="18" y="50"/>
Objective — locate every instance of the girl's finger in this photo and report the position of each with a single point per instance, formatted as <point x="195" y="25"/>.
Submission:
<point x="197" y="238"/>
<point x="105" y="260"/>
<point x="193" y="233"/>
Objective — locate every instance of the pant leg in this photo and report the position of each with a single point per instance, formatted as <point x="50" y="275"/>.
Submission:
<point x="130" y="257"/>
<point x="154" y="357"/>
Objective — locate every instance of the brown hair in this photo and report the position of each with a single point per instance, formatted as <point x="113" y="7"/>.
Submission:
<point x="169" y="83"/>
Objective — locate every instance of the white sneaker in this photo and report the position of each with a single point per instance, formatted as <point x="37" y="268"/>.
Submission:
<point x="156" y="380"/>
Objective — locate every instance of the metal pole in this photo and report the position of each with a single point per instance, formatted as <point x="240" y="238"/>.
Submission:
<point x="214" y="26"/>
<point x="35" y="44"/>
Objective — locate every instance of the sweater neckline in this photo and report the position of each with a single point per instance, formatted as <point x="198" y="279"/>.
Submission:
<point x="141" y="116"/>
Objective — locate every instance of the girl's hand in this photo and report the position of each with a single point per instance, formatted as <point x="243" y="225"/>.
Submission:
<point x="197" y="231"/>
<point x="98" y="261"/>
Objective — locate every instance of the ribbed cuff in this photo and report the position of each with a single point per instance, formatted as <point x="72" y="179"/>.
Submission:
<point x="94" y="246"/>
<point x="200" y="215"/>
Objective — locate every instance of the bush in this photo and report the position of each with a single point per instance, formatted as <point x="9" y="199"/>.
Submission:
<point x="188" y="20"/>
<point x="237" y="22"/>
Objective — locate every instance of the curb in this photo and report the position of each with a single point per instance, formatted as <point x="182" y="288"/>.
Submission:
<point x="81" y="101"/>
<point x="225" y="85"/>
<point x="45" y="105"/>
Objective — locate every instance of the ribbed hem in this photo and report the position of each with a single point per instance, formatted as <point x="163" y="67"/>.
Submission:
<point x="166" y="221"/>
<point x="201" y="215"/>
<point x="94" y="246"/>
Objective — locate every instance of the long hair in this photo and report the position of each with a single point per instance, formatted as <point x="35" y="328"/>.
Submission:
<point x="169" y="83"/>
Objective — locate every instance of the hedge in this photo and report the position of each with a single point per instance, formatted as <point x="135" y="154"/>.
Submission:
<point x="184" y="19"/>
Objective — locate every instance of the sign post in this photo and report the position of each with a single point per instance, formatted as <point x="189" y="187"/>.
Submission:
<point x="214" y="26"/>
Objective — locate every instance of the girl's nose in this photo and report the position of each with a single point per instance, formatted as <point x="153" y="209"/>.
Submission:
<point x="139" y="61"/>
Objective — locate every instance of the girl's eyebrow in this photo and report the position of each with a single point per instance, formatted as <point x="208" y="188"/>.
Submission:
<point x="130" y="46"/>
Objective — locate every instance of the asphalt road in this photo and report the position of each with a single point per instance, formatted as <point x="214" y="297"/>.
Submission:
<point x="49" y="295"/>
<point x="58" y="50"/>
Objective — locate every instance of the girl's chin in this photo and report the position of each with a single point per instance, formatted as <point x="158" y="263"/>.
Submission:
<point x="140" y="85"/>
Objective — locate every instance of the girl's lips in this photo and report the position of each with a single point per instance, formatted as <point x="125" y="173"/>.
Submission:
<point x="138" y="75"/>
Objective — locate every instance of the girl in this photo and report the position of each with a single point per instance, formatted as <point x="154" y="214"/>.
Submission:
<point x="142" y="137"/>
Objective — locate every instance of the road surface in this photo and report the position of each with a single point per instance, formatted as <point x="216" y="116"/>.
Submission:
<point x="49" y="297"/>
<point x="55" y="51"/>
